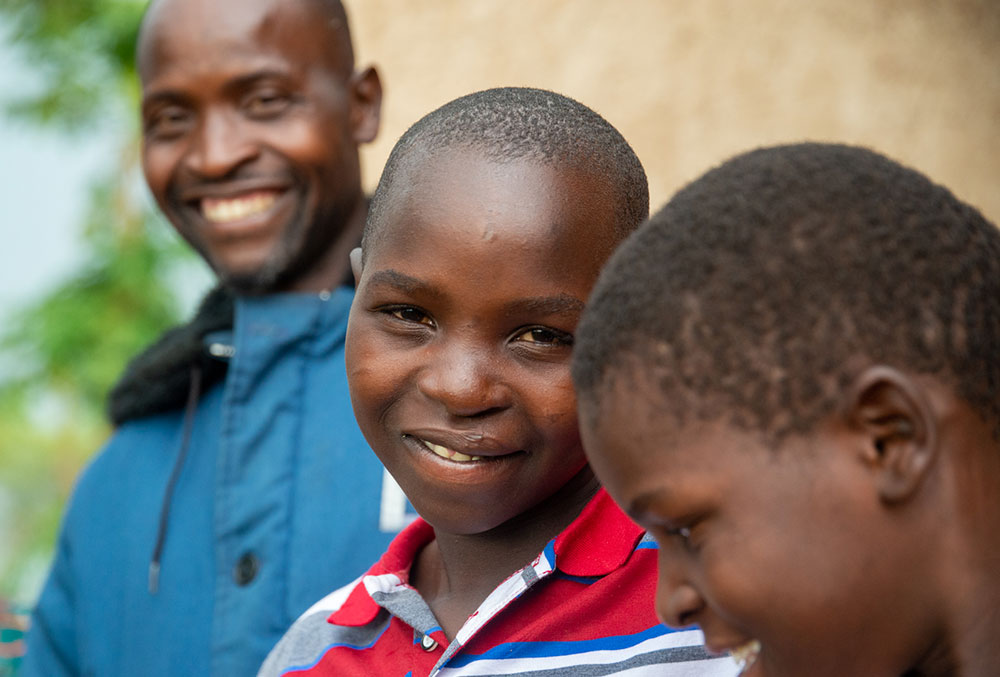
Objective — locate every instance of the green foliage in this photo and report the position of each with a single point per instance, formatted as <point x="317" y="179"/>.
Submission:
<point x="61" y="354"/>
<point x="83" y="52"/>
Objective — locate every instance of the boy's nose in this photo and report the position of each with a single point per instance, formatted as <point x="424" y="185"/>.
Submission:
<point x="220" y="145"/>
<point x="678" y="603"/>
<point x="464" y="381"/>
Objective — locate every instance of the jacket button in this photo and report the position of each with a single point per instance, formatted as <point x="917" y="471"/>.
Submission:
<point x="246" y="568"/>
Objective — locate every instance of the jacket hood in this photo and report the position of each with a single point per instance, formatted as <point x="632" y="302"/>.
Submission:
<point x="159" y="378"/>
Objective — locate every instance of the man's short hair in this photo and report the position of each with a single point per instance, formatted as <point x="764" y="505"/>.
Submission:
<point x="750" y="292"/>
<point x="516" y="123"/>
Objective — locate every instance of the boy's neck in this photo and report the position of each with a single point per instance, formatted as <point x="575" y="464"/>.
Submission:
<point x="455" y="573"/>
<point x="971" y="582"/>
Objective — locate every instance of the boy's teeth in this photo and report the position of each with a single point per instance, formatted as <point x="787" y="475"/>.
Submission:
<point x="746" y="655"/>
<point x="221" y="210"/>
<point x="447" y="453"/>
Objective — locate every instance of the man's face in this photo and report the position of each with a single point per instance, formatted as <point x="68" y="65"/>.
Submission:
<point x="251" y="120"/>
<point x="458" y="346"/>
<point x="787" y="549"/>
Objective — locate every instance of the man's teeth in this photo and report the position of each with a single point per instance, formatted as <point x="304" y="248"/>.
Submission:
<point x="447" y="453"/>
<point x="746" y="655"/>
<point x="221" y="210"/>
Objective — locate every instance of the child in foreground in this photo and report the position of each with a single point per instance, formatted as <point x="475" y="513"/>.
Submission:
<point x="791" y="377"/>
<point x="489" y="226"/>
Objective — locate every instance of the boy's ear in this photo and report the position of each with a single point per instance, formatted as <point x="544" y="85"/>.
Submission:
<point x="366" y="104"/>
<point x="895" y="417"/>
<point x="355" y="257"/>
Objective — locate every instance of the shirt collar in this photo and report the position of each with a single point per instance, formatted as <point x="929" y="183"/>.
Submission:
<point x="577" y="553"/>
<point x="359" y="608"/>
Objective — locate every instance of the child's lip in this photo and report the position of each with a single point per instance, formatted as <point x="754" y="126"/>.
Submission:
<point x="470" y="443"/>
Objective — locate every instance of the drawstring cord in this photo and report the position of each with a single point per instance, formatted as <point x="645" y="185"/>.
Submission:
<point x="161" y="534"/>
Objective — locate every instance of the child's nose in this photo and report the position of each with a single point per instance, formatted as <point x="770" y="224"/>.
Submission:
<point x="465" y="381"/>
<point x="678" y="603"/>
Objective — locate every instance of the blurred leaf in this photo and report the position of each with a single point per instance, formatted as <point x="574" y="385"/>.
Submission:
<point x="67" y="348"/>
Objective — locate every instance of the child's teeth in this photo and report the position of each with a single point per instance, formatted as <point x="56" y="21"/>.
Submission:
<point x="746" y="655"/>
<point x="445" y="452"/>
<point x="438" y="449"/>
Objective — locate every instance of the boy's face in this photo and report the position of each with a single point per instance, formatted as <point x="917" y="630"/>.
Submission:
<point x="787" y="546"/>
<point x="458" y="347"/>
<point x="251" y="122"/>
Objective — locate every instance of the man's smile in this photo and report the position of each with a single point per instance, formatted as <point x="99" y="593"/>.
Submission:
<point x="229" y="209"/>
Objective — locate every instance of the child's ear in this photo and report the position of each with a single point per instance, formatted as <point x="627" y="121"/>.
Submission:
<point x="355" y="257"/>
<point x="895" y="417"/>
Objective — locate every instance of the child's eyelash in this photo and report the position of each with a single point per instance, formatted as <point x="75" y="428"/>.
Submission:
<point x="407" y="313"/>
<point x="544" y="336"/>
<point x="683" y="533"/>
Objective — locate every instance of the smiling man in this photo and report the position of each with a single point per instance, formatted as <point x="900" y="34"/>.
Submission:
<point x="237" y="487"/>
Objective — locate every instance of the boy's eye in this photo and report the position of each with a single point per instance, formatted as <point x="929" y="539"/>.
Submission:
<point x="410" y="314"/>
<point x="684" y="536"/>
<point x="544" y="336"/>
<point x="683" y="533"/>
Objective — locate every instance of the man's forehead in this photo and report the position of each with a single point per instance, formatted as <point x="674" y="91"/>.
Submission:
<point x="171" y="28"/>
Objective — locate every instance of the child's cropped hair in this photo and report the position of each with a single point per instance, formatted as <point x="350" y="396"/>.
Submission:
<point x="805" y="256"/>
<point x="518" y="123"/>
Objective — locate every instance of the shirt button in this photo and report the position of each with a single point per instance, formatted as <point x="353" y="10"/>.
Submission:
<point x="246" y="569"/>
<point x="427" y="643"/>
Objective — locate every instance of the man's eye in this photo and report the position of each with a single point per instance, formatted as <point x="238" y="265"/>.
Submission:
<point x="545" y="336"/>
<point x="168" y="121"/>
<point x="409" y="314"/>
<point x="266" y="104"/>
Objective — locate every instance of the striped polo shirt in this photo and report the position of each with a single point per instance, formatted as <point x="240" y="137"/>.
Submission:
<point x="583" y="607"/>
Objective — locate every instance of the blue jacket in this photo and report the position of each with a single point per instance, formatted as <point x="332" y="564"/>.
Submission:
<point x="277" y="501"/>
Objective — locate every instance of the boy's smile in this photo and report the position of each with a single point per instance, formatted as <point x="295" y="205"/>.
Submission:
<point x="459" y="342"/>
<point x="728" y="510"/>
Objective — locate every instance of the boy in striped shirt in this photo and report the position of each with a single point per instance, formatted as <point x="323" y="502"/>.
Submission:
<point x="487" y="231"/>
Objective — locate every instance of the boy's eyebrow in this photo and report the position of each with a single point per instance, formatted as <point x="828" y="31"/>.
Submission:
<point x="640" y="505"/>
<point x="396" y="279"/>
<point x="559" y="304"/>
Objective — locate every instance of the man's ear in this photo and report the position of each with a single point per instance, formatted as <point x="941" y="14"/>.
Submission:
<point x="895" y="417"/>
<point x="366" y="104"/>
<point x="355" y="257"/>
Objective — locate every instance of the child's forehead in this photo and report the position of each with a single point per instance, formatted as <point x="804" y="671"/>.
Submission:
<point x="469" y="186"/>
<point x="470" y="217"/>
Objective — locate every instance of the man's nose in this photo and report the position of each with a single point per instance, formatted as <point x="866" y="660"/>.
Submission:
<point x="466" y="380"/>
<point x="678" y="602"/>
<point x="221" y="144"/>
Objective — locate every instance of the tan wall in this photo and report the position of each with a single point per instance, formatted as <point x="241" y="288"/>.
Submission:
<point x="691" y="82"/>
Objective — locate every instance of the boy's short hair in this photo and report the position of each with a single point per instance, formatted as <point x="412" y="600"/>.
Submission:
<point x="750" y="292"/>
<point x="518" y="123"/>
